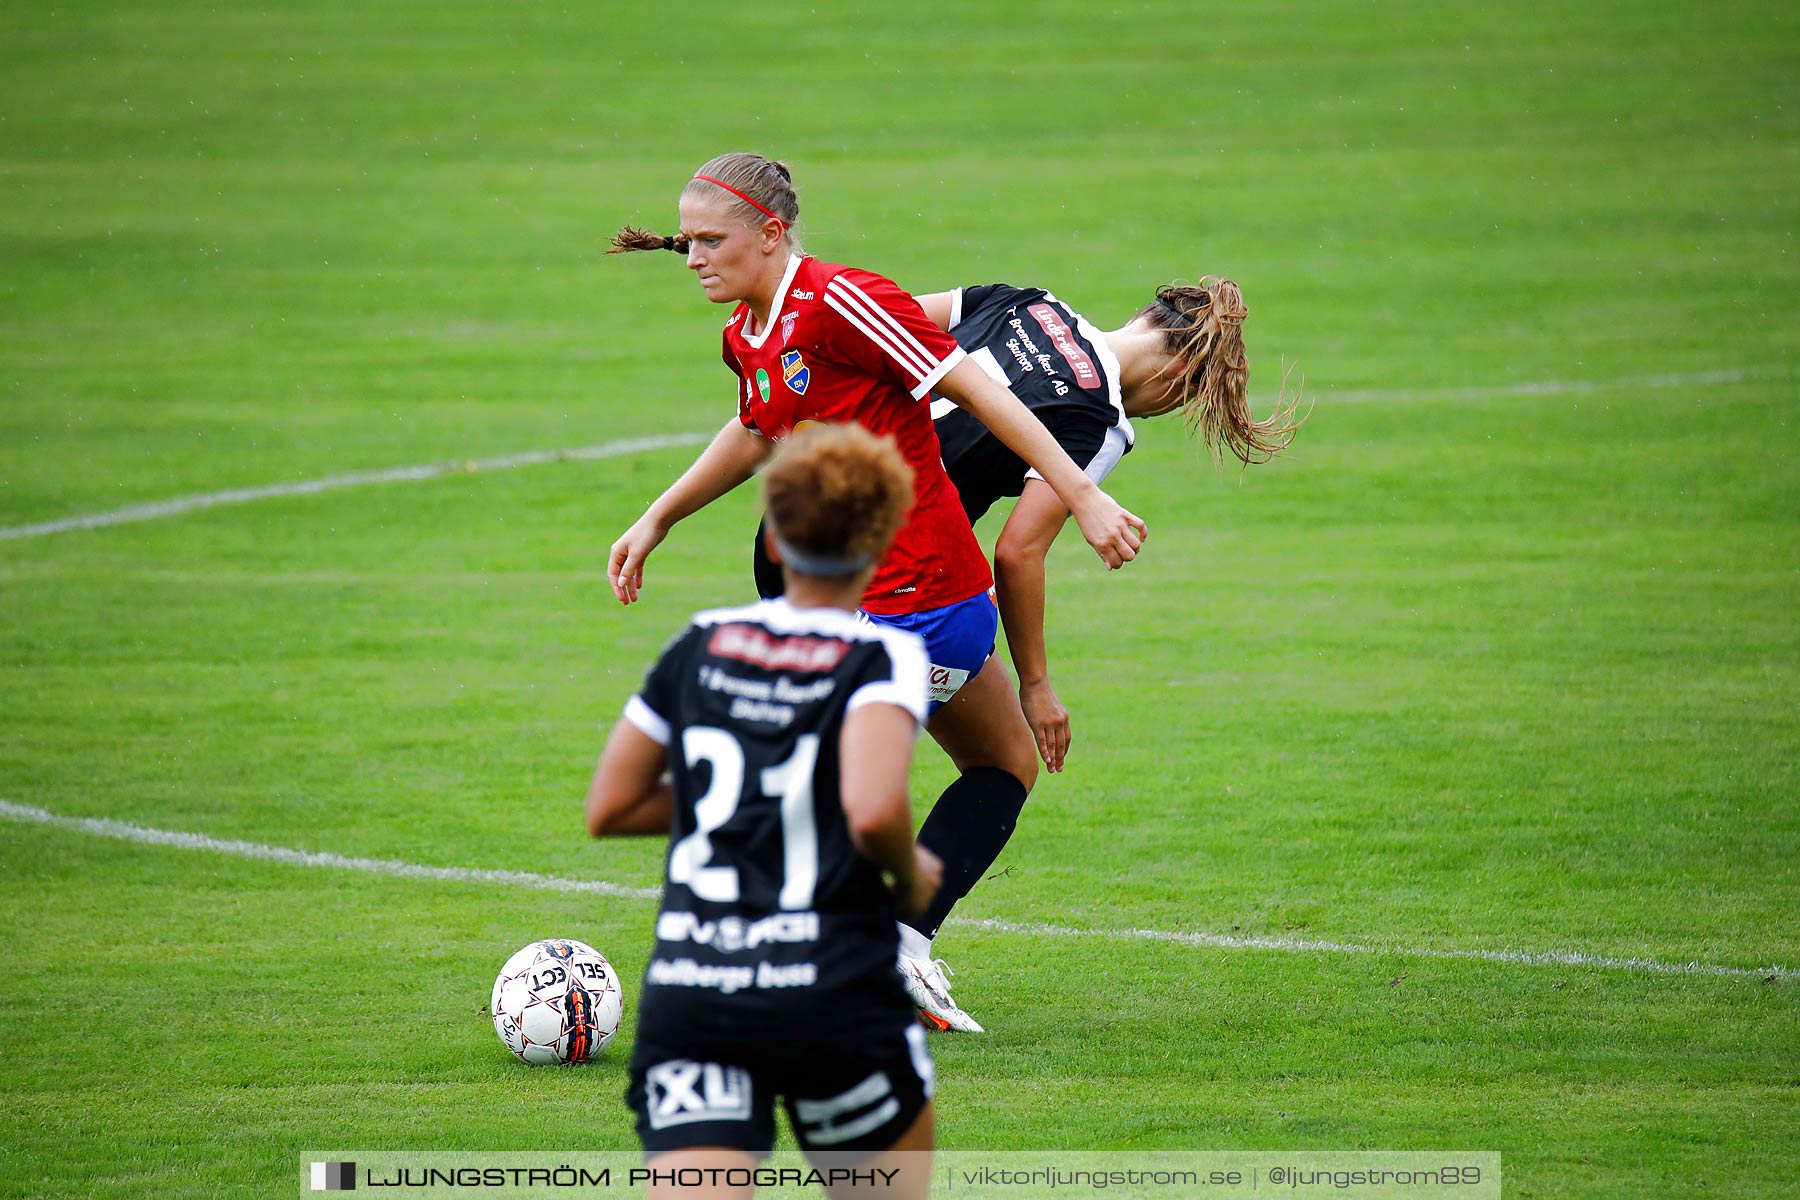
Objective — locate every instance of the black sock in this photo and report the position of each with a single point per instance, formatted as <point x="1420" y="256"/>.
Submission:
<point x="968" y="828"/>
<point x="769" y="581"/>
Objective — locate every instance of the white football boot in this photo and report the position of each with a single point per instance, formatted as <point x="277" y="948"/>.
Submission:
<point x="927" y="983"/>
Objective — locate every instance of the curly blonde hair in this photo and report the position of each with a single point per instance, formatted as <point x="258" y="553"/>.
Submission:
<point x="1204" y="330"/>
<point x="839" y="493"/>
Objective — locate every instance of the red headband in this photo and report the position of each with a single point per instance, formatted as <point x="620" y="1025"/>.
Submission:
<point x="747" y="200"/>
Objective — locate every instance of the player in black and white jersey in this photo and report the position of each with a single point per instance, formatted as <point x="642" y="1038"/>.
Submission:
<point x="787" y="728"/>
<point x="1184" y="351"/>
<point x="1061" y="367"/>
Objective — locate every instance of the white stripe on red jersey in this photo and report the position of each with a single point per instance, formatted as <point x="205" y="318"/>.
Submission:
<point x="912" y="365"/>
<point x="843" y="345"/>
<point x="883" y="330"/>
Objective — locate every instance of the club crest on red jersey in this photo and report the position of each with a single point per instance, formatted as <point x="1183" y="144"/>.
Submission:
<point x="795" y="372"/>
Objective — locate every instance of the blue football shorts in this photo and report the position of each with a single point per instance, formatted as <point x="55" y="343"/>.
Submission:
<point x="959" y="639"/>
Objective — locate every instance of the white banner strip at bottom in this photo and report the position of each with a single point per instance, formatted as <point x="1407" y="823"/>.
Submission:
<point x="977" y="1175"/>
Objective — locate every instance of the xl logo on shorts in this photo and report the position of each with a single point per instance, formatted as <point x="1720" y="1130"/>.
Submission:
<point x="681" y="1091"/>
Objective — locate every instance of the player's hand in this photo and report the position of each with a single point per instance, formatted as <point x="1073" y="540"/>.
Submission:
<point x="927" y="877"/>
<point x="1113" y="532"/>
<point x="625" y="565"/>
<point x="1049" y="722"/>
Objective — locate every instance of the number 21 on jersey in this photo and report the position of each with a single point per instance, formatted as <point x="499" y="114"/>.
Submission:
<point x="790" y="782"/>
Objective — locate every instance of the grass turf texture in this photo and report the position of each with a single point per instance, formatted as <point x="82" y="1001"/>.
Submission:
<point x="1481" y="665"/>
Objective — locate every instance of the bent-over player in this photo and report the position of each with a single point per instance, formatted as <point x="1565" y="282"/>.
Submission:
<point x="1182" y="352"/>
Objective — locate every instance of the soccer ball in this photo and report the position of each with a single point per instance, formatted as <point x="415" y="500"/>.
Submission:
<point x="557" y="1001"/>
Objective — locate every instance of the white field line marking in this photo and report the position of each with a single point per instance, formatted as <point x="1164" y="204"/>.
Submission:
<point x="308" y="487"/>
<point x="1222" y="941"/>
<point x="1558" y="387"/>
<point x="549" y="883"/>
<point x="532" y="458"/>
<point x="101" y="827"/>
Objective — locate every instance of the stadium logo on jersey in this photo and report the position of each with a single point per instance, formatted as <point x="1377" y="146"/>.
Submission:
<point x="762" y="384"/>
<point x="1086" y="374"/>
<point x="794" y="372"/>
<point x="747" y="643"/>
<point x="681" y="1091"/>
<point x="728" y="935"/>
<point x="800" y="295"/>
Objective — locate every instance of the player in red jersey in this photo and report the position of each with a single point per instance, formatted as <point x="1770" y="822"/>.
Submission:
<point x="812" y="341"/>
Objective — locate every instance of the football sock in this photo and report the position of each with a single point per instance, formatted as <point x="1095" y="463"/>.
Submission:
<point x="914" y="944"/>
<point x="769" y="581"/>
<point x="968" y="828"/>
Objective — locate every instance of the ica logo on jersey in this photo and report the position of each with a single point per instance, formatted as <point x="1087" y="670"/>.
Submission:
<point x="795" y="372"/>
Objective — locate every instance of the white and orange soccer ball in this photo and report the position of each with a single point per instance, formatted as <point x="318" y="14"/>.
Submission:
<point x="557" y="1001"/>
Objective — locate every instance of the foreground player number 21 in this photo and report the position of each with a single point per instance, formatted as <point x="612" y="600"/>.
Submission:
<point x="791" y="781"/>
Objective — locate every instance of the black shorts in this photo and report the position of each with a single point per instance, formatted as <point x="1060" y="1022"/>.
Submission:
<point x="836" y="1102"/>
<point x="984" y="469"/>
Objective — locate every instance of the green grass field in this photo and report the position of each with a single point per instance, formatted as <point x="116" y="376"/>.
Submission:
<point x="1503" y="657"/>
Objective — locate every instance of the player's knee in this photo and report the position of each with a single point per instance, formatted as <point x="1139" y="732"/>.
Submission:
<point x="1017" y="755"/>
<point x="1016" y="760"/>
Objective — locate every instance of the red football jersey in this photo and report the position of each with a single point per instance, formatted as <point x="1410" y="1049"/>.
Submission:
<point x="844" y="345"/>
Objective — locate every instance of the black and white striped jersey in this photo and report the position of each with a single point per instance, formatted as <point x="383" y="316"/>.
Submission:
<point x="1057" y="364"/>
<point x="770" y="914"/>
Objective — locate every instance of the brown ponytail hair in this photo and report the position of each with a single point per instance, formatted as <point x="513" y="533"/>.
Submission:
<point x="1203" y="328"/>
<point x="838" y="494"/>
<point x="733" y="177"/>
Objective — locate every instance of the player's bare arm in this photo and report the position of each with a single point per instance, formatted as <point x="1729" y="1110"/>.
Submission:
<point x="876" y="755"/>
<point x="1113" y="532"/>
<point x="1019" y="555"/>
<point x="630" y="794"/>
<point x="732" y="457"/>
<point x="938" y="307"/>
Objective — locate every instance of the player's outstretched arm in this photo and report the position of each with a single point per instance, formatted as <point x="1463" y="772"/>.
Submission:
<point x="630" y="795"/>
<point x="1114" y="533"/>
<point x="875" y="755"/>
<point x="1019" y="586"/>
<point x="729" y="459"/>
